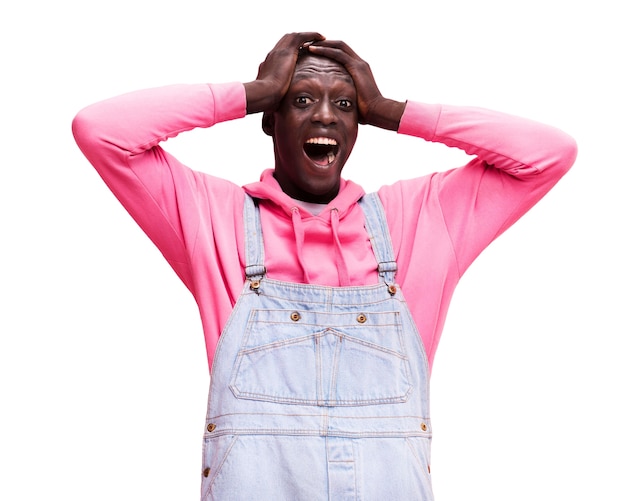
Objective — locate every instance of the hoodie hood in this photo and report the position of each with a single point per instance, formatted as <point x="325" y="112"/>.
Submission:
<point x="269" y="189"/>
<point x="324" y="227"/>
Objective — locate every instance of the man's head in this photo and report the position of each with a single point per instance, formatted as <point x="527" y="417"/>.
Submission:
<point x="314" y="129"/>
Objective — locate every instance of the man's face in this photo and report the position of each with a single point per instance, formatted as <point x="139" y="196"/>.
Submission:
<point x="315" y="129"/>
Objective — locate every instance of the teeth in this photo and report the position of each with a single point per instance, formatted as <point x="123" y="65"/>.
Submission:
<point x="322" y="140"/>
<point x="325" y="141"/>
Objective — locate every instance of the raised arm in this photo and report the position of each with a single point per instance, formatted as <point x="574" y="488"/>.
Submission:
<point x="121" y="136"/>
<point x="111" y="131"/>
<point x="516" y="162"/>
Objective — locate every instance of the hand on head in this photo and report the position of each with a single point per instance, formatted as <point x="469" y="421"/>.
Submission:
<point x="368" y="94"/>
<point x="274" y="75"/>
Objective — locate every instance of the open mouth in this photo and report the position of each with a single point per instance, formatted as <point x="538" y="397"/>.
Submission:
<point x="322" y="150"/>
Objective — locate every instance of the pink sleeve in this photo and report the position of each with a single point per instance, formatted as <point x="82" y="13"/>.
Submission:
<point x="517" y="161"/>
<point x="121" y="137"/>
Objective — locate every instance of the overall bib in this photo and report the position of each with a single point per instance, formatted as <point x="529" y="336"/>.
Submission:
<point x="318" y="393"/>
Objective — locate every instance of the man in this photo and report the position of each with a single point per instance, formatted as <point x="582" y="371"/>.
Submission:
<point x="328" y="304"/>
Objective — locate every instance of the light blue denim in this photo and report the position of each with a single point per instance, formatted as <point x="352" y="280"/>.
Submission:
<point x="318" y="393"/>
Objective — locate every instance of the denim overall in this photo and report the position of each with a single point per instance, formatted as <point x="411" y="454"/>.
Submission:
<point x="318" y="393"/>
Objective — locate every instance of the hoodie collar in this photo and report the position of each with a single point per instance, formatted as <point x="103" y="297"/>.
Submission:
<point x="349" y="194"/>
<point x="269" y="189"/>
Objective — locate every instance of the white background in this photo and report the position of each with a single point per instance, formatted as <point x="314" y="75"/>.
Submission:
<point x="103" y="373"/>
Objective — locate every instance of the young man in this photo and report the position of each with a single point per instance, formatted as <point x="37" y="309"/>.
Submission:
<point x="328" y="304"/>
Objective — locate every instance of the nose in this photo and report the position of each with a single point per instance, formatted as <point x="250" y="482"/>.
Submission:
<point x="324" y="112"/>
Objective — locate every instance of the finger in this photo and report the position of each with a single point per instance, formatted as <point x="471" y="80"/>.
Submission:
<point x="310" y="37"/>
<point x="298" y="40"/>
<point x="338" y="45"/>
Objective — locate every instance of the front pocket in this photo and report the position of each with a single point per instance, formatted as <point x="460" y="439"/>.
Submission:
<point x="322" y="359"/>
<point x="215" y="453"/>
<point x="419" y="448"/>
<point x="271" y="468"/>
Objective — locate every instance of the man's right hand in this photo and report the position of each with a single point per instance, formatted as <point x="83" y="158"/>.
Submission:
<point x="274" y="76"/>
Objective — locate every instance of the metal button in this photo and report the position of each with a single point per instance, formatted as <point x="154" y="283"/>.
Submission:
<point x="211" y="427"/>
<point x="255" y="284"/>
<point x="205" y="472"/>
<point x="424" y="427"/>
<point x="295" y="316"/>
<point x="392" y="289"/>
<point x="361" y="318"/>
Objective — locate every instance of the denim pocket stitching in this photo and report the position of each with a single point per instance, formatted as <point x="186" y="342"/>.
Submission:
<point x="217" y="471"/>
<point x="317" y="360"/>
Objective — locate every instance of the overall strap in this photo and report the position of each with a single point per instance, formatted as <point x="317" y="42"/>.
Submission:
<point x="255" y="253"/>
<point x="376" y="224"/>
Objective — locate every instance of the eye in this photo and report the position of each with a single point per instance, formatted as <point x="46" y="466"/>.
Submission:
<point x="344" y="103"/>
<point x="303" y="100"/>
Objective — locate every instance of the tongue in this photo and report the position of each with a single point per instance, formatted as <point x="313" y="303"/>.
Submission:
<point x="322" y="160"/>
<point x="322" y="155"/>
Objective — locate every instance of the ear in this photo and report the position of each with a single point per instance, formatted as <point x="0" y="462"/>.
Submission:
<point x="267" y="122"/>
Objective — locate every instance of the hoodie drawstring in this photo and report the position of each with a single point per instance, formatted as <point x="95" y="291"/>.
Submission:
<point x="298" y="229"/>
<point x="342" y="267"/>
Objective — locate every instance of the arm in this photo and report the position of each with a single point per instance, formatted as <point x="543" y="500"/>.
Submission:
<point x="517" y="161"/>
<point x="121" y="136"/>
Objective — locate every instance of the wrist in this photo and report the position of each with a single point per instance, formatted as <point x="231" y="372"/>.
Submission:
<point x="259" y="97"/>
<point x="386" y="114"/>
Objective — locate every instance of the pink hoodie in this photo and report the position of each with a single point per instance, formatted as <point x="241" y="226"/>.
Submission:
<point x="439" y="223"/>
